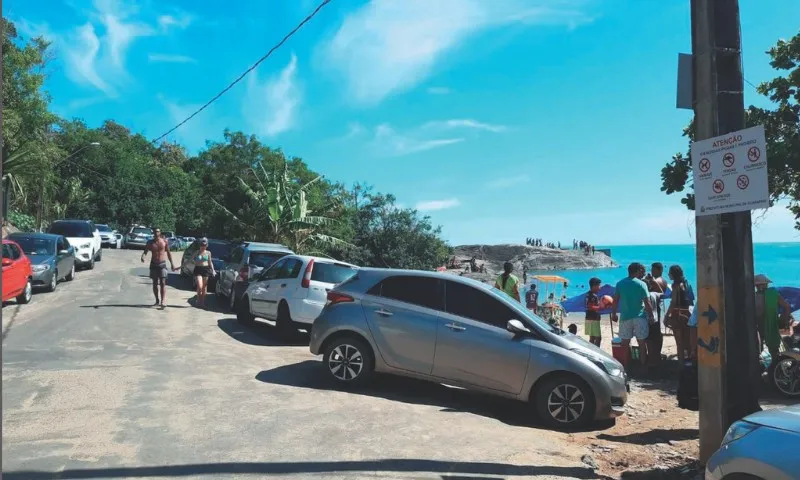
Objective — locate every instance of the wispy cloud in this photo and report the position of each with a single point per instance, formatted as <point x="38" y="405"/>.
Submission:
<point x="433" y="205"/>
<point x="179" y="21"/>
<point x="271" y="106"/>
<point x="388" y="141"/>
<point x="466" y="123"/>
<point x="509" y="181"/>
<point x="170" y="58"/>
<point x="388" y="47"/>
<point x="438" y="90"/>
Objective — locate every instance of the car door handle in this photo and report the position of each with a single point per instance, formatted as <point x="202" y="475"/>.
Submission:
<point x="283" y="285"/>
<point x="384" y="313"/>
<point x="455" y="327"/>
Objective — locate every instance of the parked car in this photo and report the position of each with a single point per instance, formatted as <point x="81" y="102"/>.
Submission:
<point x="17" y="273"/>
<point x="84" y="237"/>
<point x="109" y="237"/>
<point x="138" y="236"/>
<point x="761" y="446"/>
<point x="293" y="291"/>
<point x="246" y="262"/>
<point x="220" y="253"/>
<point x="52" y="258"/>
<point x="464" y="333"/>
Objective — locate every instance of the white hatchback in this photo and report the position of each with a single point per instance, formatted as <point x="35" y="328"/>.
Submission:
<point x="293" y="291"/>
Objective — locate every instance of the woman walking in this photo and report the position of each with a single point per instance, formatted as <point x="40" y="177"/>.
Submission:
<point x="679" y="312"/>
<point x="203" y="269"/>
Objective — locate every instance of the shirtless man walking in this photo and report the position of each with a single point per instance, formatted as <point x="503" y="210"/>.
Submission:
<point x="159" y="247"/>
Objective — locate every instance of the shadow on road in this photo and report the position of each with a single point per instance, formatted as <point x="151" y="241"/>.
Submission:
<point x="312" y="374"/>
<point x="651" y="437"/>
<point x="365" y="467"/>
<point x="132" y="305"/>
<point x="258" y="334"/>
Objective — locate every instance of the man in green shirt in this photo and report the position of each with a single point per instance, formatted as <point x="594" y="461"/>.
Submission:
<point x="632" y="300"/>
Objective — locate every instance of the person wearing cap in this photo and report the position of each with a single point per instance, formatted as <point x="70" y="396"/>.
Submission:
<point x="159" y="247"/>
<point x="767" y="301"/>
<point x="203" y="269"/>
<point x="507" y="282"/>
<point x="591" y="324"/>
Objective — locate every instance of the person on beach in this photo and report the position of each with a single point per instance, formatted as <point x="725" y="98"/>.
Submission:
<point x="524" y="278"/>
<point x="203" y="270"/>
<point x="633" y="303"/>
<point x="767" y="301"/>
<point x="657" y="287"/>
<point x="159" y="248"/>
<point x="677" y="317"/>
<point x="532" y="299"/>
<point x="573" y="329"/>
<point x="591" y="324"/>
<point x="507" y="282"/>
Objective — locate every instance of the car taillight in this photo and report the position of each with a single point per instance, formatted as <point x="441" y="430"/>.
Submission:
<point x="336" y="297"/>
<point x="244" y="273"/>
<point x="306" y="282"/>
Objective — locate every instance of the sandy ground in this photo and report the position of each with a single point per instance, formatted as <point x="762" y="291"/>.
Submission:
<point x="99" y="384"/>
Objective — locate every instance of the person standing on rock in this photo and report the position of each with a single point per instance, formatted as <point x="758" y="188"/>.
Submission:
<point x="507" y="282"/>
<point x="159" y="247"/>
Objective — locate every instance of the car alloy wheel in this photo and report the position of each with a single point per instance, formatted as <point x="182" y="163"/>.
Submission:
<point x="54" y="281"/>
<point x="27" y="294"/>
<point x="71" y="275"/>
<point x="232" y="300"/>
<point x="566" y="403"/>
<point x="786" y="376"/>
<point x="346" y="362"/>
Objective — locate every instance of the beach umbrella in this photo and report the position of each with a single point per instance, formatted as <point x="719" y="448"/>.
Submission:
<point x="792" y="297"/>
<point x="578" y="302"/>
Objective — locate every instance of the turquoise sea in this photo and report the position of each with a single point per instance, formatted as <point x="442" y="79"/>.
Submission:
<point x="778" y="261"/>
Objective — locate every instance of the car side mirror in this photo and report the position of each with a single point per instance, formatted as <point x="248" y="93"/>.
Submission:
<point x="63" y="252"/>
<point x="7" y="262"/>
<point x="515" y="326"/>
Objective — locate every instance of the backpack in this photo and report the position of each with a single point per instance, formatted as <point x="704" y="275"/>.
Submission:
<point x="688" y="395"/>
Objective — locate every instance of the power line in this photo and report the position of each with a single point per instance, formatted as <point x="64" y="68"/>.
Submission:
<point x="253" y="67"/>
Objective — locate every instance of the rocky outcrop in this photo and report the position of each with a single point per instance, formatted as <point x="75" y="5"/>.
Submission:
<point x="527" y="258"/>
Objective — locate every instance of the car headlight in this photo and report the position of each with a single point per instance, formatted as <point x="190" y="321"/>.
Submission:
<point x="85" y="245"/>
<point x="604" y="364"/>
<point x="40" y="268"/>
<point x="738" y="430"/>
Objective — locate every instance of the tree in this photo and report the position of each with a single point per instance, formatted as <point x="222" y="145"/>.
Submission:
<point x="782" y="128"/>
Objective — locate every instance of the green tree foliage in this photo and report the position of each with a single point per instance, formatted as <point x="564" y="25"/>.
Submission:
<point x="782" y="127"/>
<point x="238" y="188"/>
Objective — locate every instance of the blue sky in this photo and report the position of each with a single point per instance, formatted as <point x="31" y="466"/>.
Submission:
<point x="501" y="119"/>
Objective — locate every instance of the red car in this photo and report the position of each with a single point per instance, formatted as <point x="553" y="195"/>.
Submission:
<point x="17" y="274"/>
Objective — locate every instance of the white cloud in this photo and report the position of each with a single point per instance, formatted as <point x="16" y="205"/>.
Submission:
<point x="432" y="205"/>
<point x="388" y="47"/>
<point x="466" y="123"/>
<point x="170" y="58"/>
<point x="271" y="107"/>
<point x="180" y="21"/>
<point x="509" y="181"/>
<point x="438" y="90"/>
<point x="387" y="141"/>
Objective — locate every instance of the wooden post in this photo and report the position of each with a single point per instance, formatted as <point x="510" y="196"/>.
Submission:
<point x="728" y="384"/>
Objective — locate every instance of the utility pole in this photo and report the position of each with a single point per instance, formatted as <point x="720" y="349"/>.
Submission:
<point x="728" y="383"/>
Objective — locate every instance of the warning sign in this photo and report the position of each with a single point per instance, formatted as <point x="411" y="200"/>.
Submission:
<point x="743" y="181"/>
<point x="715" y="163"/>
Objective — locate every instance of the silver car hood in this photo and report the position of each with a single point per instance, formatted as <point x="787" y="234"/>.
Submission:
<point x="784" y="418"/>
<point x="575" y="341"/>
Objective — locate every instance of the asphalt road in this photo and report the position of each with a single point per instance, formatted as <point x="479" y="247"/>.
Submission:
<point x="97" y="383"/>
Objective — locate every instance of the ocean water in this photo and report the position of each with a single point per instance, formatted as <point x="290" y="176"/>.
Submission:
<point x="778" y="261"/>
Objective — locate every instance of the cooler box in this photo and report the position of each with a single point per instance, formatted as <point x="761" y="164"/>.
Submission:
<point x="616" y="349"/>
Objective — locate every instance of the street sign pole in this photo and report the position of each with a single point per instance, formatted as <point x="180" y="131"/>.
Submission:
<point x="726" y="322"/>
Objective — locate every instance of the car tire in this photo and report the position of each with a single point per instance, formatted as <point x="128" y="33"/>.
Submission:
<point x="53" y="282"/>
<point x="100" y="255"/>
<point x="243" y="314"/>
<point x="283" y="322"/>
<point x="349" y="361"/>
<point x="71" y="275"/>
<point x="564" y="402"/>
<point x="91" y="263"/>
<point x="232" y="300"/>
<point x="27" y="293"/>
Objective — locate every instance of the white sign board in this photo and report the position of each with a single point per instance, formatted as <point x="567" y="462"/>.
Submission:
<point x="730" y="172"/>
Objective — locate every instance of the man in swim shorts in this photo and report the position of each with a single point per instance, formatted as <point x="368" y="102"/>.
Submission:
<point x="159" y="247"/>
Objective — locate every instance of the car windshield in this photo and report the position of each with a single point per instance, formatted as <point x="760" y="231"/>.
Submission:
<point x="332" y="272"/>
<point x="529" y="314"/>
<point x="103" y="228"/>
<point x="265" y="259"/>
<point x="36" y="246"/>
<point x="142" y="231"/>
<point x="71" y="229"/>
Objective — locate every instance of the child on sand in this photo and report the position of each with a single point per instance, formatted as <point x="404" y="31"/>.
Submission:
<point x="593" y="307"/>
<point x="573" y="329"/>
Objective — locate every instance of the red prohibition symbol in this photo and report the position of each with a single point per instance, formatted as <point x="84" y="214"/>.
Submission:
<point x="728" y="159"/>
<point x="705" y="165"/>
<point x="718" y="186"/>
<point x="742" y="182"/>
<point x="753" y="154"/>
